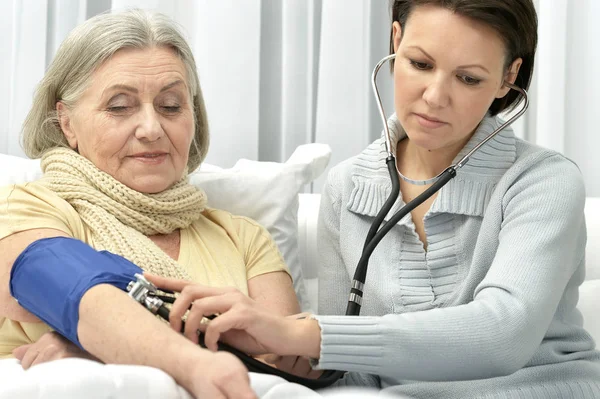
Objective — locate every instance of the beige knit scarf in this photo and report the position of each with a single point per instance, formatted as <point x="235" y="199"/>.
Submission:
<point x="119" y="218"/>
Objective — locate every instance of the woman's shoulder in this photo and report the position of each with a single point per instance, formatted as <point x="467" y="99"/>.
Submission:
<point x="34" y="191"/>
<point x="542" y="173"/>
<point x="527" y="151"/>
<point x="532" y="159"/>
<point x="245" y="233"/>
<point x="232" y="224"/>
<point x="32" y="205"/>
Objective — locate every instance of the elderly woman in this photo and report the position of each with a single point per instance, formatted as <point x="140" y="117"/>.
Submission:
<point x="119" y="122"/>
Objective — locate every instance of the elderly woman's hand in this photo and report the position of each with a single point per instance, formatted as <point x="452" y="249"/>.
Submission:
<point x="51" y="346"/>
<point x="242" y="322"/>
<point x="219" y="375"/>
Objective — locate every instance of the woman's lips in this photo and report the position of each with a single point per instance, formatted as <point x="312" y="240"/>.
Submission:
<point x="429" y="122"/>
<point x="150" y="158"/>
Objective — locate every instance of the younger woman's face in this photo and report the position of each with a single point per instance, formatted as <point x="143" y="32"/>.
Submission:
<point x="448" y="71"/>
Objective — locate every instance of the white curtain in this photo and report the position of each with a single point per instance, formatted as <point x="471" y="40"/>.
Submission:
<point x="31" y="31"/>
<point x="279" y="73"/>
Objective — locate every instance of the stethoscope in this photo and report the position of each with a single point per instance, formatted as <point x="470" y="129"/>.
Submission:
<point x="148" y="295"/>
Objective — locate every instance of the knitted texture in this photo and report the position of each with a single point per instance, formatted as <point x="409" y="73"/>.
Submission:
<point x="120" y="219"/>
<point x="488" y="309"/>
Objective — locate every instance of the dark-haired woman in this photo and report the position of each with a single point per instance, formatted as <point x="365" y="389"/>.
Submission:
<point x="474" y="294"/>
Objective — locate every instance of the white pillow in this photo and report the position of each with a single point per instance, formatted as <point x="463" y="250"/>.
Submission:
<point x="264" y="191"/>
<point x="268" y="193"/>
<point x="592" y="249"/>
<point x="17" y="170"/>
<point x="589" y="306"/>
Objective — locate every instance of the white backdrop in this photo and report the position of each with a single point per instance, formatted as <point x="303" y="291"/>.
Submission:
<point x="279" y="73"/>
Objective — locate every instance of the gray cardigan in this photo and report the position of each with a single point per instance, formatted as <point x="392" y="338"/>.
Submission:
<point x="488" y="311"/>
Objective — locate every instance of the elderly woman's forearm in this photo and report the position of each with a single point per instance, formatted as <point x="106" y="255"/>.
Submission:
<point x="116" y="329"/>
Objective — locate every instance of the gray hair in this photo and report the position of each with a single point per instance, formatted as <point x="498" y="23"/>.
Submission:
<point x="83" y="51"/>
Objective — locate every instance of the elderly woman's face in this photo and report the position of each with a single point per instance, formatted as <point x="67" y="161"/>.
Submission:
<point x="135" y="121"/>
<point x="448" y="71"/>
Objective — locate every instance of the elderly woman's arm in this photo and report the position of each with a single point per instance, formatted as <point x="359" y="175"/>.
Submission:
<point x="10" y="248"/>
<point x="274" y="291"/>
<point x="116" y="329"/>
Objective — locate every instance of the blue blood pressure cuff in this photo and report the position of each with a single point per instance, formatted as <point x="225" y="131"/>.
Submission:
<point x="51" y="276"/>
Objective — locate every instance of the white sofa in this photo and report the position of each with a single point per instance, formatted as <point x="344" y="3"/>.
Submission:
<point x="589" y="292"/>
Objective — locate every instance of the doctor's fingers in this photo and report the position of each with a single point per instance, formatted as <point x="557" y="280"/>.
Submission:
<point x="207" y="307"/>
<point x="189" y="295"/>
<point x="185" y="287"/>
<point x="252" y="329"/>
<point x="196" y="318"/>
<point x="167" y="283"/>
<point x="238" y="319"/>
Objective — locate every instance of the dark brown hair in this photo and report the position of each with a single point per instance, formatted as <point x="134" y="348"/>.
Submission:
<point x="514" y="20"/>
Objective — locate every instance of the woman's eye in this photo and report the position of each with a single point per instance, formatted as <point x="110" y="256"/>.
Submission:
<point x="172" y="109"/>
<point x="422" y="66"/>
<point x="117" y="109"/>
<point x="471" y="81"/>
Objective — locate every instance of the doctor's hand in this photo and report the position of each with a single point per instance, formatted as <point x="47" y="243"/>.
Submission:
<point x="296" y="365"/>
<point x="51" y="346"/>
<point x="242" y="322"/>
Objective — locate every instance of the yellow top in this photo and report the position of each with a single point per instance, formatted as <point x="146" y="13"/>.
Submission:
<point x="219" y="249"/>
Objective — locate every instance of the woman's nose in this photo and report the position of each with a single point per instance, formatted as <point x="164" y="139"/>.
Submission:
<point x="437" y="93"/>
<point x="149" y="127"/>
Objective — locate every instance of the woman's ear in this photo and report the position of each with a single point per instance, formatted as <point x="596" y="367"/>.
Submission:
<point x="510" y="77"/>
<point x="397" y="34"/>
<point x="64" y="120"/>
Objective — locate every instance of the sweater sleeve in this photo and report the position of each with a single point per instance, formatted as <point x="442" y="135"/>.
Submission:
<point x="540" y="245"/>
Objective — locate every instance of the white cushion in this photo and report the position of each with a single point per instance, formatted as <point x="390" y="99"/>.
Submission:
<point x="592" y="251"/>
<point x="264" y="191"/>
<point x="308" y="215"/>
<point x="79" y="378"/>
<point x="589" y="306"/>
<point x="268" y="193"/>
<point x="16" y="170"/>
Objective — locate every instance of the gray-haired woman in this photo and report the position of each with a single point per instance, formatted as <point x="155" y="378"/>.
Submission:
<point x="119" y="121"/>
